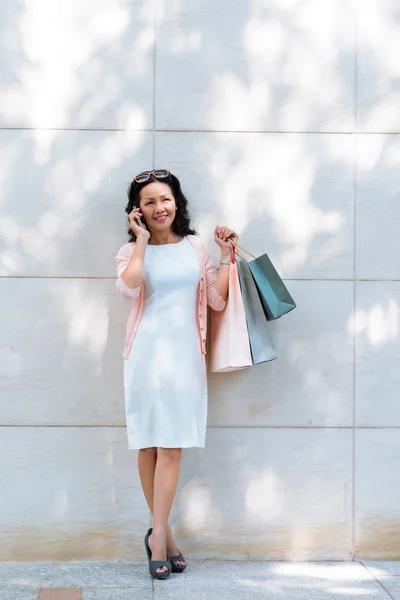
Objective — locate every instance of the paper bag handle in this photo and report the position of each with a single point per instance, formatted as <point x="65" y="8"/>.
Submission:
<point x="244" y="249"/>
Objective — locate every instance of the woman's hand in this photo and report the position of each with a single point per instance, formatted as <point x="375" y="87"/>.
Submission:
<point x="138" y="228"/>
<point x="222" y="235"/>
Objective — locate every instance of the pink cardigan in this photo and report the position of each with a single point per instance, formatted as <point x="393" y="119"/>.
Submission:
<point x="207" y="292"/>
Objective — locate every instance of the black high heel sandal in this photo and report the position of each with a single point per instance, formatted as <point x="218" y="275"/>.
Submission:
<point x="174" y="559"/>
<point x="156" y="564"/>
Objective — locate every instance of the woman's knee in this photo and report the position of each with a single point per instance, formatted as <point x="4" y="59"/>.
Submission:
<point x="148" y="452"/>
<point x="170" y="454"/>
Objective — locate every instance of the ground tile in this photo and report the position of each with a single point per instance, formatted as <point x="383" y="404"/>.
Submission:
<point x="75" y="574"/>
<point x="256" y="581"/>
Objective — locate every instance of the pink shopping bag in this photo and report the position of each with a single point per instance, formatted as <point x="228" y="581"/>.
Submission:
<point x="230" y="347"/>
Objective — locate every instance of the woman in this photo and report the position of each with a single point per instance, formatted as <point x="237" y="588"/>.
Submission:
<point x="168" y="275"/>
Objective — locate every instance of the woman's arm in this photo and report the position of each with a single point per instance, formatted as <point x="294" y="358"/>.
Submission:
<point x="130" y="264"/>
<point x="218" y="282"/>
<point x="122" y="259"/>
<point x="222" y="279"/>
<point x="132" y="274"/>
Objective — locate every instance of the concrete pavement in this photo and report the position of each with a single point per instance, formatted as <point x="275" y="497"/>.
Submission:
<point x="124" y="580"/>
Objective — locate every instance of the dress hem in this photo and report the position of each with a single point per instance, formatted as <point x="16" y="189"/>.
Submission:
<point x="161" y="446"/>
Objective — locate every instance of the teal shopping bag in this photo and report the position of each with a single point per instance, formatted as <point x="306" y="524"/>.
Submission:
<point x="274" y="295"/>
<point x="261" y="343"/>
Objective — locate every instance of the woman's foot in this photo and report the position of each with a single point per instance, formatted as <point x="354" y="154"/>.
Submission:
<point x="157" y="545"/>
<point x="172" y="550"/>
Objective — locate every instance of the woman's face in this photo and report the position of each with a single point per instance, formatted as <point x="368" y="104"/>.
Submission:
<point x="158" y="206"/>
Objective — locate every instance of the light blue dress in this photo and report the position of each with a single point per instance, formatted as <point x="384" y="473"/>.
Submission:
<point x="165" y="376"/>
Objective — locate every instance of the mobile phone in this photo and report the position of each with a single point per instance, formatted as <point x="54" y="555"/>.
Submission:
<point x="141" y="224"/>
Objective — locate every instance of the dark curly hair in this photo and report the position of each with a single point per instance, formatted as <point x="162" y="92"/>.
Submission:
<point x="181" y="224"/>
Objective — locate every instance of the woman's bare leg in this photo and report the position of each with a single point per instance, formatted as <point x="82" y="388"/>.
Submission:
<point x="147" y="458"/>
<point x="159" y="473"/>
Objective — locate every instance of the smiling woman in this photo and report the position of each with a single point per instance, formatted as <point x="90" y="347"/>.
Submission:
<point x="162" y="202"/>
<point x="169" y="277"/>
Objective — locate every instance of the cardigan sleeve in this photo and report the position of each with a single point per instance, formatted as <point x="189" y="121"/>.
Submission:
<point x="122" y="259"/>
<point x="213" y="297"/>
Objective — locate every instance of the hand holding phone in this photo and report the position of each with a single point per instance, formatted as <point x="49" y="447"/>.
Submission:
<point x="137" y="225"/>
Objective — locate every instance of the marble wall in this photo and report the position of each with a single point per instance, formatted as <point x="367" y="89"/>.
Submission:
<point x="281" y="118"/>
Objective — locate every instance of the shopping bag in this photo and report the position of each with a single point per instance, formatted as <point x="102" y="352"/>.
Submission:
<point x="274" y="295"/>
<point x="261" y="344"/>
<point x="229" y="345"/>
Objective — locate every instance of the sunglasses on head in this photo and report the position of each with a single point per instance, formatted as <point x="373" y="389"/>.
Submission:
<point x="145" y="175"/>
